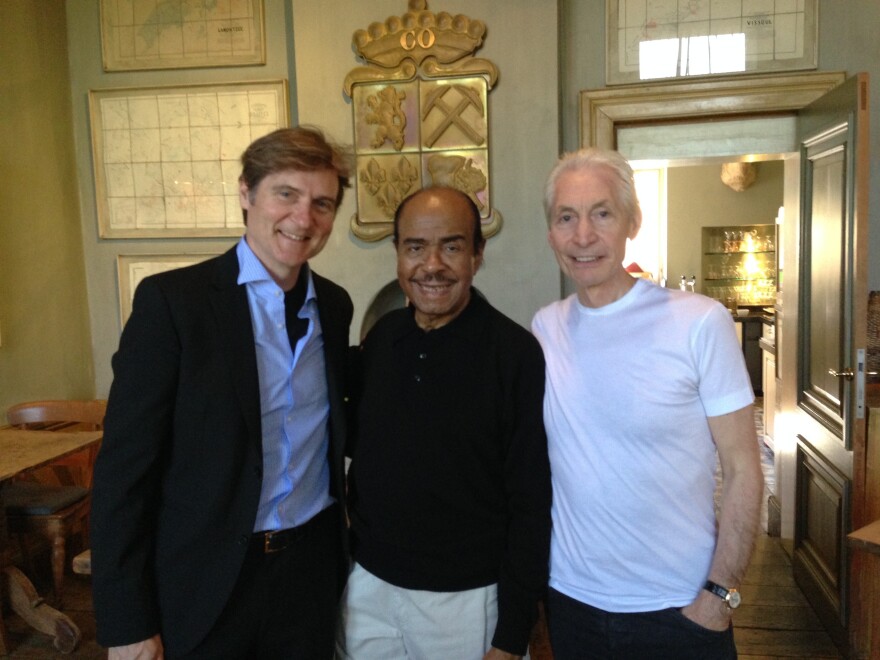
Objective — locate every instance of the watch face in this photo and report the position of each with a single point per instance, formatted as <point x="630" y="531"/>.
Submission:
<point x="733" y="598"/>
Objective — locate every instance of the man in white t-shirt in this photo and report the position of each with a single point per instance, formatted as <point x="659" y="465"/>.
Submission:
<point x="645" y="387"/>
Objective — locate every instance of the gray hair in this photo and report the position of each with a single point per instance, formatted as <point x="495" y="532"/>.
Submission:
<point x="591" y="157"/>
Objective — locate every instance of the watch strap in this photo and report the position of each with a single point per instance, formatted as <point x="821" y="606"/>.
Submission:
<point x="730" y="596"/>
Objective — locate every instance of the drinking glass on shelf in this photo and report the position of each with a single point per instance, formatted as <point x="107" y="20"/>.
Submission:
<point x="731" y="301"/>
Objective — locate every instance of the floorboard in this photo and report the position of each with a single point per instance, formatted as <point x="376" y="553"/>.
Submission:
<point x="775" y="621"/>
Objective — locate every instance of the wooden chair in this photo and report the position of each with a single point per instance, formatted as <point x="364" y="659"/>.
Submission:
<point x="54" y="502"/>
<point x="82" y="563"/>
<point x="59" y="415"/>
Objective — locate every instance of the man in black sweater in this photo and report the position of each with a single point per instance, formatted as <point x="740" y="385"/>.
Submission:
<point x="450" y="480"/>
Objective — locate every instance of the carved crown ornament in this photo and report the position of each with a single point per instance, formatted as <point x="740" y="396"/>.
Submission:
<point x="421" y="115"/>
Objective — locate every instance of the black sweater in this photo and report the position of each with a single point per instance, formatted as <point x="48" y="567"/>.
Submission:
<point x="450" y="480"/>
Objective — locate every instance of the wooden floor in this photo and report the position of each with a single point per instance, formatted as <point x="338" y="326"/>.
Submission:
<point x="774" y="621"/>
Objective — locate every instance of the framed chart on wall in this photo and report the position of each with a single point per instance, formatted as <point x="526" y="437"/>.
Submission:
<point x="174" y="34"/>
<point x="166" y="159"/>
<point x="132" y="268"/>
<point x="669" y="39"/>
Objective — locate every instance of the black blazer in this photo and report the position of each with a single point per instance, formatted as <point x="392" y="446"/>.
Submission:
<point x="178" y="477"/>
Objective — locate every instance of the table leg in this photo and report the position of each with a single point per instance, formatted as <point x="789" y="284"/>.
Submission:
<point x="28" y="604"/>
<point x="4" y="560"/>
<point x="4" y="637"/>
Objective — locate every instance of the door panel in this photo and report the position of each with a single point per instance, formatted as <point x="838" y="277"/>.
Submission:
<point x="831" y="294"/>
<point x="824" y="297"/>
<point x="823" y="510"/>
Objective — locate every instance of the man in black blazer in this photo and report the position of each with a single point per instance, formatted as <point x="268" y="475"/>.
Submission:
<point x="217" y="526"/>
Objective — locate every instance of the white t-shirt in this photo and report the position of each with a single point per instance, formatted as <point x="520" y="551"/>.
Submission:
<point x="629" y="388"/>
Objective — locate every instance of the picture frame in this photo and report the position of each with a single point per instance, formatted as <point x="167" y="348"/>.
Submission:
<point x="707" y="39"/>
<point x="132" y="268"/>
<point x="176" y="34"/>
<point x="167" y="159"/>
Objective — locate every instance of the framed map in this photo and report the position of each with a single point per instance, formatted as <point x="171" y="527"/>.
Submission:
<point x="668" y="39"/>
<point x="175" y="34"/>
<point x="132" y="268"/>
<point x="166" y="159"/>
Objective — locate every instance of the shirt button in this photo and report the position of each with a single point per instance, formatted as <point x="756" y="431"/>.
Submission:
<point x="417" y="378"/>
<point x="422" y="356"/>
<point x="243" y="539"/>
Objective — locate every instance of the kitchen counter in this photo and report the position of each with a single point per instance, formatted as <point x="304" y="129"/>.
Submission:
<point x="752" y="328"/>
<point x="766" y="345"/>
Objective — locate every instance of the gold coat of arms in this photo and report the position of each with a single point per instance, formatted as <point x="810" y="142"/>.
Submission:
<point x="421" y="115"/>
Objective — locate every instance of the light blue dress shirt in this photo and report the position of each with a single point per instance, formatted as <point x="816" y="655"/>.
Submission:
<point x="293" y="402"/>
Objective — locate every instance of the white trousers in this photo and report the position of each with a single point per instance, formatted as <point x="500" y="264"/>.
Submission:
<point x="382" y="622"/>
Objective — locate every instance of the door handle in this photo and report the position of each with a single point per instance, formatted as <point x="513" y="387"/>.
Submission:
<point x="843" y="373"/>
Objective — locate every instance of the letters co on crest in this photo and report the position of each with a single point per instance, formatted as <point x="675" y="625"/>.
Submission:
<point x="421" y="115"/>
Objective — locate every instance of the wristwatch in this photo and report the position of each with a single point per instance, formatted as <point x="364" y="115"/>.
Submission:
<point x="729" y="596"/>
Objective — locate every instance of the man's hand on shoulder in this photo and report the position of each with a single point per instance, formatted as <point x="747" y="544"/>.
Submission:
<point x="149" y="649"/>
<point x="708" y="611"/>
<point x="497" y="654"/>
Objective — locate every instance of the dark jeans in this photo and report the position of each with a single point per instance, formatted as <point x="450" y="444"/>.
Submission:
<point x="579" y="632"/>
<point x="284" y="604"/>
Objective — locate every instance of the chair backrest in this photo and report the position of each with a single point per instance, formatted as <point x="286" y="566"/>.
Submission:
<point x="62" y="415"/>
<point x="87" y="415"/>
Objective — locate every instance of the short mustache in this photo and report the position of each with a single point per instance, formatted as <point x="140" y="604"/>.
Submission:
<point x="433" y="279"/>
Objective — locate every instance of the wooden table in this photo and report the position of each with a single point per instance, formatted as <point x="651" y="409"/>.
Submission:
<point x="21" y="451"/>
<point x="867" y="538"/>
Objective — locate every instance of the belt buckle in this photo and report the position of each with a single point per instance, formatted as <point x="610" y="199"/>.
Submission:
<point x="267" y="543"/>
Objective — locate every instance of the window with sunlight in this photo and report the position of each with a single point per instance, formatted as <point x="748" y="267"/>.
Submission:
<point x="692" y="56"/>
<point x="648" y="250"/>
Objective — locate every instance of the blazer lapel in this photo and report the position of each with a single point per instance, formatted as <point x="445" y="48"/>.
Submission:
<point x="233" y="322"/>
<point x="333" y="344"/>
<point x="335" y="331"/>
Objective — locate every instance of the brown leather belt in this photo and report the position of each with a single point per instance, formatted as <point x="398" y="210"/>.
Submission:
<point x="279" y="539"/>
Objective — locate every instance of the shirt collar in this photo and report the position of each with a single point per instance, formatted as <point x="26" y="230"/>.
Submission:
<point x="467" y="325"/>
<point x="252" y="271"/>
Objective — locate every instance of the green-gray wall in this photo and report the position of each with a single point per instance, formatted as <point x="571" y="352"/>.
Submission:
<point x="314" y="36"/>
<point x="847" y="42"/>
<point x="86" y="72"/>
<point x="44" y="329"/>
<point x="59" y="311"/>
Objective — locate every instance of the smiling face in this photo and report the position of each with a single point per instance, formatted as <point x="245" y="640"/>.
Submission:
<point x="289" y="219"/>
<point x="588" y="232"/>
<point x="436" y="256"/>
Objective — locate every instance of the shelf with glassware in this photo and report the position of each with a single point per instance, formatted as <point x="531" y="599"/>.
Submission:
<point x="739" y="264"/>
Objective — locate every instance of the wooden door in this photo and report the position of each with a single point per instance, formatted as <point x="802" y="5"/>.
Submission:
<point x="829" y="416"/>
